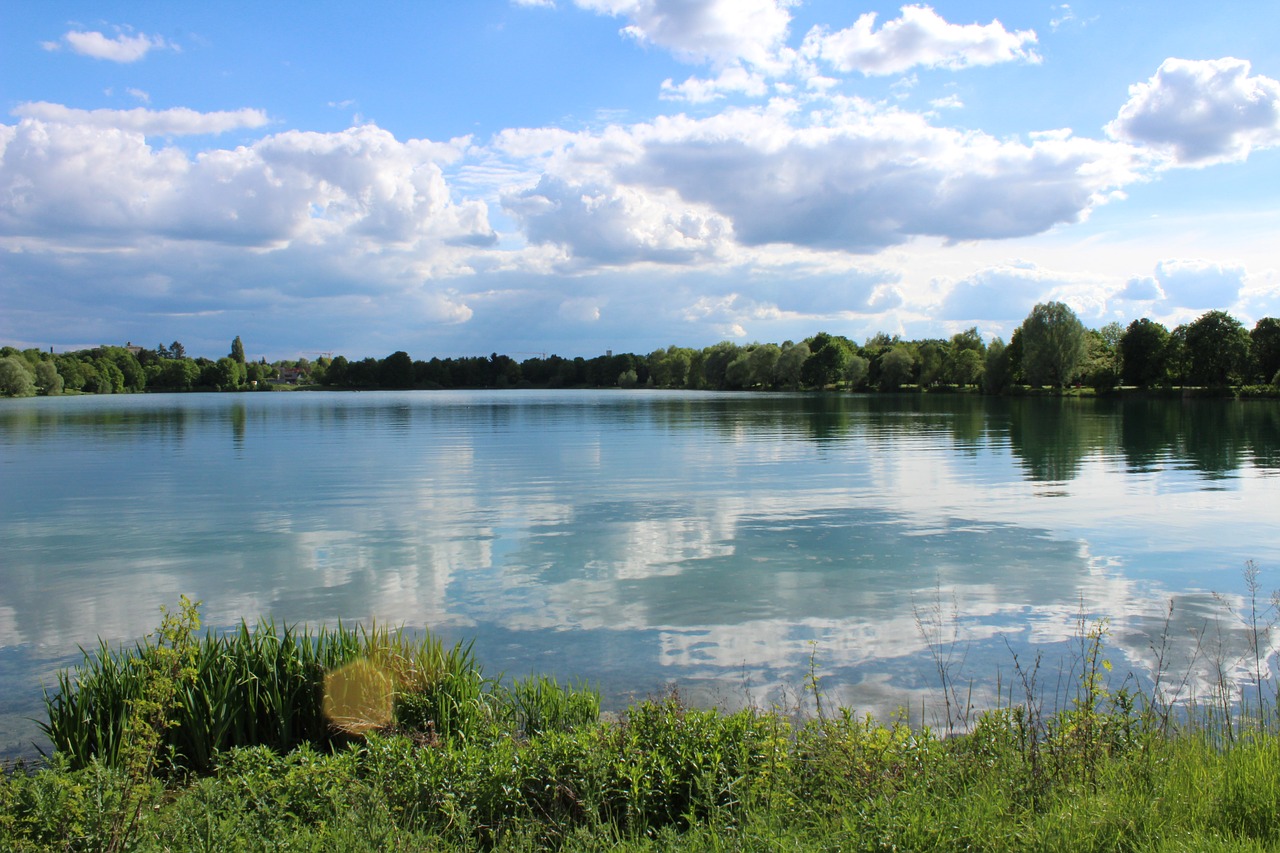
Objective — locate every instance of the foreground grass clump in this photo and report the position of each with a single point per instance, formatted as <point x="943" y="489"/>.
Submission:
<point x="468" y="763"/>
<point x="194" y="697"/>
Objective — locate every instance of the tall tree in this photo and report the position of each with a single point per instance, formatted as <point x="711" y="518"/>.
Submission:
<point x="790" y="366"/>
<point x="1053" y="344"/>
<point x="1217" y="349"/>
<point x="997" y="374"/>
<point x="1143" y="348"/>
<point x="16" y="377"/>
<point x="764" y="361"/>
<point x="1265" y="339"/>
<point x="896" y="367"/>
<point x="237" y="350"/>
<point x="965" y="367"/>
<point x="396" y="370"/>
<point x="829" y="356"/>
<point x="48" y="382"/>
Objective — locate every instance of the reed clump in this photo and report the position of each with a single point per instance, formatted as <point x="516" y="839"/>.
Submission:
<point x="281" y="687"/>
<point x="469" y="763"/>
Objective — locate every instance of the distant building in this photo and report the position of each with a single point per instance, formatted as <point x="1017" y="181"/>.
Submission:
<point x="292" y="375"/>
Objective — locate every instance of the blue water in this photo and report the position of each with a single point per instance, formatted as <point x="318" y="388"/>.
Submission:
<point x="722" y="543"/>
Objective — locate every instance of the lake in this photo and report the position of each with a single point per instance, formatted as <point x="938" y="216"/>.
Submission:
<point x="728" y="544"/>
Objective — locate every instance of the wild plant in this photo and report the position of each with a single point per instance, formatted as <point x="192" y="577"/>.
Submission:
<point x="1164" y="700"/>
<point x="1234" y="709"/>
<point x="164" y="670"/>
<point x="940" y="631"/>
<point x="264" y="686"/>
<point x="540" y="705"/>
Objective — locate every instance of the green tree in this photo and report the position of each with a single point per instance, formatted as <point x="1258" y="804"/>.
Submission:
<point x="396" y="370"/>
<point x="1265" y="345"/>
<point x="133" y="377"/>
<point x="896" y="367"/>
<point x="829" y="356"/>
<point x="48" y="382"/>
<point x="1053" y="345"/>
<point x="764" y="362"/>
<point x="228" y="374"/>
<point x="177" y="350"/>
<point x="855" y="372"/>
<point x="257" y="373"/>
<point x="715" y="361"/>
<point x="71" y="371"/>
<point x="336" y="373"/>
<point x="997" y="375"/>
<point x="787" y="372"/>
<point x="110" y="379"/>
<point x="669" y="368"/>
<point x="177" y="374"/>
<point x="1102" y="356"/>
<point x="932" y="358"/>
<point x="1177" y="357"/>
<point x="1143" y="348"/>
<point x="16" y="377"/>
<point x="738" y="374"/>
<point x="237" y="350"/>
<point x="1217" y="349"/>
<point x="970" y="338"/>
<point x="966" y="358"/>
<point x="966" y="367"/>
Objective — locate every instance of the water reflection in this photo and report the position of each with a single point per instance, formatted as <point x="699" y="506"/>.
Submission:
<point x="635" y="538"/>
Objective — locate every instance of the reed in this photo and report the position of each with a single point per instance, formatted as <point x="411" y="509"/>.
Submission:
<point x="267" y="686"/>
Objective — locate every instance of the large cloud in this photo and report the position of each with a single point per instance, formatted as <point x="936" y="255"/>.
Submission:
<point x="858" y="179"/>
<point x="67" y="182"/>
<point x="1200" y="112"/>
<point x="919" y="37"/>
<point x="1199" y="284"/>
<point x="1003" y="294"/>
<point x="615" y="225"/>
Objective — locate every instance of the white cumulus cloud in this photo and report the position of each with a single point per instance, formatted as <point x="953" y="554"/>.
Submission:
<point x="1200" y="284"/>
<point x="72" y="182"/>
<point x="1003" y="294"/>
<point x="717" y="31"/>
<point x="698" y="90"/>
<point x="918" y="37"/>
<point x="1201" y="112"/>
<point x="861" y="179"/>
<point x="611" y="224"/>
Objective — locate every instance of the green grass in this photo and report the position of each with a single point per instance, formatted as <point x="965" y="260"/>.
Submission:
<point x="466" y="762"/>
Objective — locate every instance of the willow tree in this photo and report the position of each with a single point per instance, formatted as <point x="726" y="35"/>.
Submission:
<point x="1053" y="345"/>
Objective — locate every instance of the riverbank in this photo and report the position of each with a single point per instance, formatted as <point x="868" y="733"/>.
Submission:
<point x="404" y="744"/>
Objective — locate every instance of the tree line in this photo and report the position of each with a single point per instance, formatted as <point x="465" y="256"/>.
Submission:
<point x="1051" y="347"/>
<point x="127" y="370"/>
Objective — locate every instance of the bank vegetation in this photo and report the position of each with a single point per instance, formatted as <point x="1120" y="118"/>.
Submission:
<point x="366" y="739"/>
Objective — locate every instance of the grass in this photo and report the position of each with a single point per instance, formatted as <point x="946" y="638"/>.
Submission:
<point x="420" y="751"/>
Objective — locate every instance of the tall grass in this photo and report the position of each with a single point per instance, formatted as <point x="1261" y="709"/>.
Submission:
<point x="284" y="686"/>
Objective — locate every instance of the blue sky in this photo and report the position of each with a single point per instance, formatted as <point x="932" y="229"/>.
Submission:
<point x="517" y="176"/>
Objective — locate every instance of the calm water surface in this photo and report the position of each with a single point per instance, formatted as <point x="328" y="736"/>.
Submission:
<point x="638" y="539"/>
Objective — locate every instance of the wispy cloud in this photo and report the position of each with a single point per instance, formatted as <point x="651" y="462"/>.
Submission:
<point x="173" y="122"/>
<point x="124" y="47"/>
